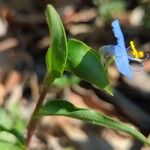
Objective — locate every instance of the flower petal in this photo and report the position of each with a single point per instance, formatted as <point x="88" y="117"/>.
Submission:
<point x="121" y="61"/>
<point x="123" y="67"/>
<point x="120" y="39"/>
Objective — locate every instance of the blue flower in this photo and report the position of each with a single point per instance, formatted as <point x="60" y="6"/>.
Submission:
<point x="119" y="51"/>
<point x="122" y="58"/>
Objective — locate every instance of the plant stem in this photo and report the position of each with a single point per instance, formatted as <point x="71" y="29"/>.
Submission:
<point x="33" y="122"/>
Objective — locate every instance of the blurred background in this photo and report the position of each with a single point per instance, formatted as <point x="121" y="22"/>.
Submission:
<point x="24" y="39"/>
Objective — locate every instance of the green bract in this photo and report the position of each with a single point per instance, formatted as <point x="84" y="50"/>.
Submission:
<point x="81" y="59"/>
<point x="85" y="63"/>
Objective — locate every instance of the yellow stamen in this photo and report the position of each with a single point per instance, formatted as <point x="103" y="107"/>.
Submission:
<point x="135" y="52"/>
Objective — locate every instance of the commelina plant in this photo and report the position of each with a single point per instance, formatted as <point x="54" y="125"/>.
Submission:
<point x="81" y="60"/>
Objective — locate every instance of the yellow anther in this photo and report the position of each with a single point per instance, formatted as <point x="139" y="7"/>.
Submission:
<point x="135" y="52"/>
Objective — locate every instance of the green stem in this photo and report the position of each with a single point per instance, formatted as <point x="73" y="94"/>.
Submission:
<point x="33" y="122"/>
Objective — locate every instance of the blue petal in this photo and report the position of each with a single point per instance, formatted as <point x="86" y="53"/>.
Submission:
<point x="123" y="66"/>
<point x="121" y="61"/>
<point x="120" y="38"/>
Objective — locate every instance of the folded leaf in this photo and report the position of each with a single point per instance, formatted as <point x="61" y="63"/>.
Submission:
<point x="86" y="64"/>
<point x="64" y="108"/>
<point x="57" y="54"/>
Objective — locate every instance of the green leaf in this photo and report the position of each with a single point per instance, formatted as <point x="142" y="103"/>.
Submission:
<point x="11" y="123"/>
<point x="8" y="146"/>
<point x="6" y="119"/>
<point x="57" y="54"/>
<point x="18" y="123"/>
<point x="9" y="141"/>
<point x="14" y="132"/>
<point x="64" y="108"/>
<point x="86" y="64"/>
